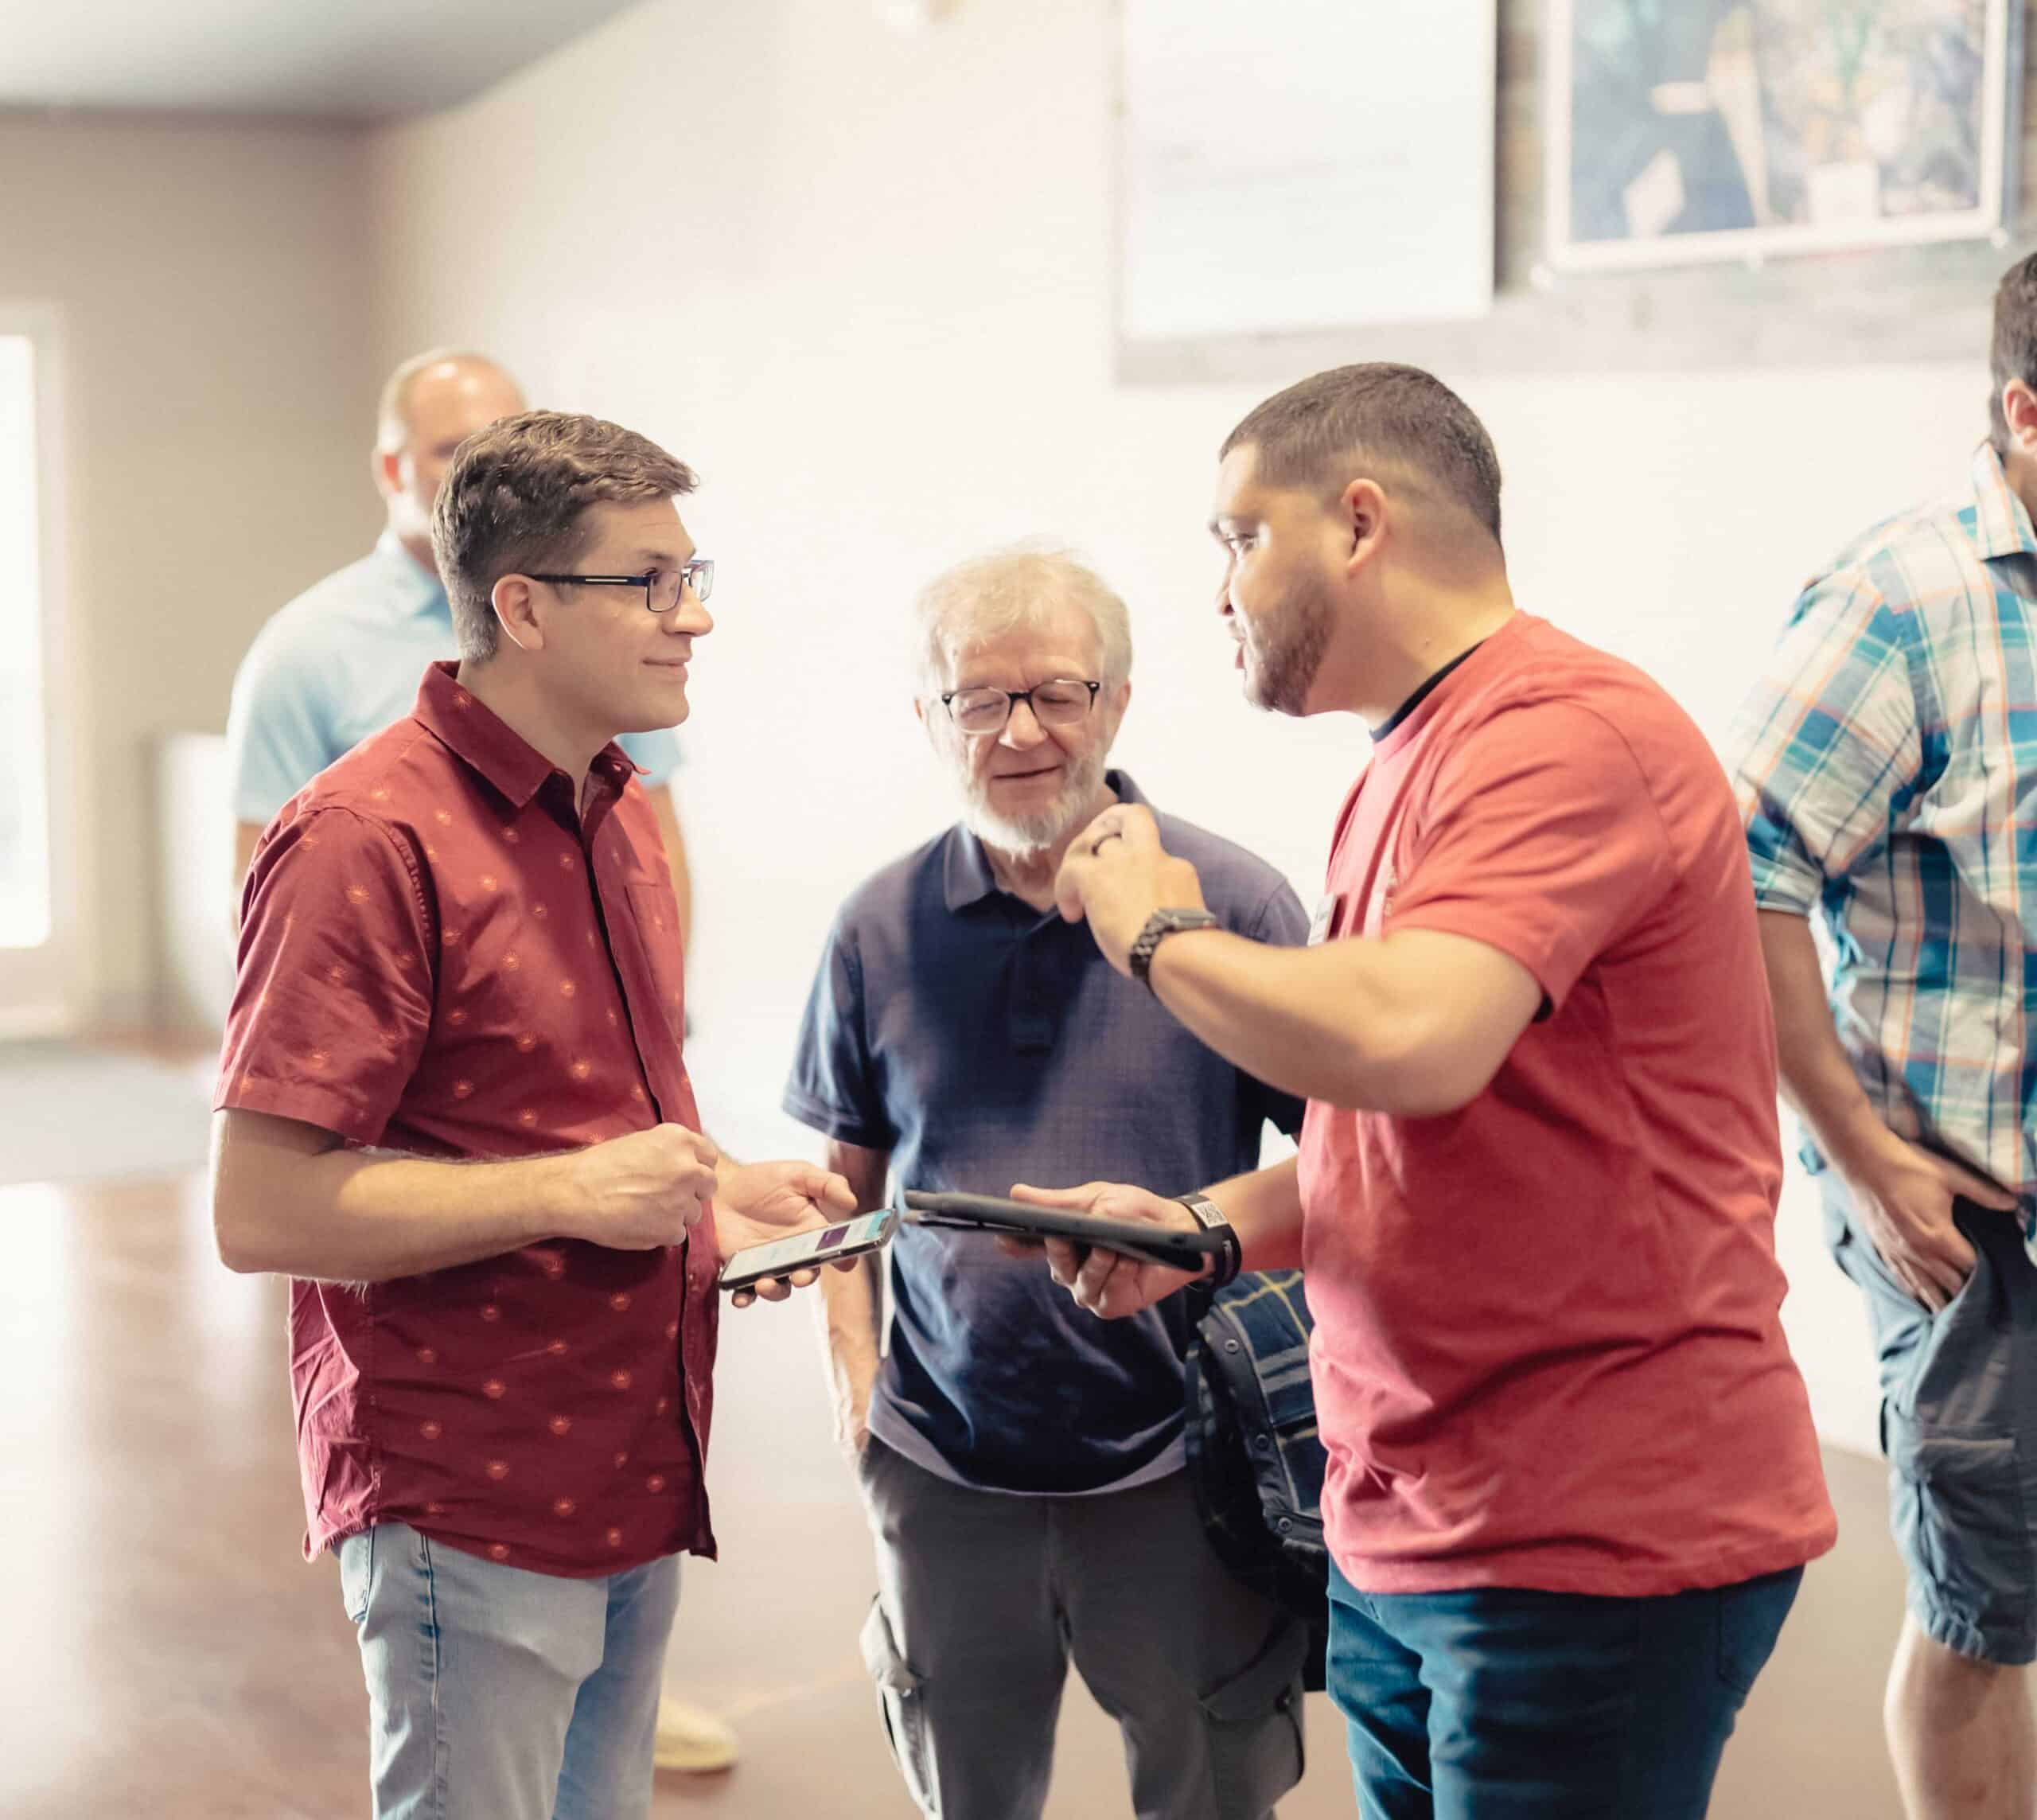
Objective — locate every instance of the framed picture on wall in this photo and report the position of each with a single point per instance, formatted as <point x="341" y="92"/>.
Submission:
<point x="1680" y="131"/>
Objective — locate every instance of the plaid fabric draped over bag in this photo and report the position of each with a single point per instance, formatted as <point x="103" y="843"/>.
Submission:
<point x="1255" y="1457"/>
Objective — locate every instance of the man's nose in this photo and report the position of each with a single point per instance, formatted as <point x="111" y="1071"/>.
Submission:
<point x="1022" y="730"/>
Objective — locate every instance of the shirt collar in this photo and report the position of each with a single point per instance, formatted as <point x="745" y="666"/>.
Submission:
<point x="488" y="744"/>
<point x="2001" y="520"/>
<point x="966" y="875"/>
<point x="413" y="590"/>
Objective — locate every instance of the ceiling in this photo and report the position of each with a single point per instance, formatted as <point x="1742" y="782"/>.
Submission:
<point x="355" y="60"/>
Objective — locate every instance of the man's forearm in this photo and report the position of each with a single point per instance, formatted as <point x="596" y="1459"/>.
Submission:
<point x="1818" y="1080"/>
<point x="1265" y="1209"/>
<point x="849" y="1324"/>
<point x="1267" y="1010"/>
<point x="1414" y="1023"/>
<point x="347" y="1216"/>
<point x="849" y="1352"/>
<point x="850" y="1303"/>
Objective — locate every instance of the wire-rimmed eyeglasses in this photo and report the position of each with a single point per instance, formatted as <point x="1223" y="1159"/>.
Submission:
<point x="662" y="587"/>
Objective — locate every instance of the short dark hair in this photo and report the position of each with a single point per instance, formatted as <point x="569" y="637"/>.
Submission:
<point x="2014" y="353"/>
<point x="1395" y="416"/>
<point x="514" y="498"/>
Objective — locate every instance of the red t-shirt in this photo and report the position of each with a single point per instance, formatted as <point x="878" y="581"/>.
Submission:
<point x="1547" y="1352"/>
<point x="440" y="955"/>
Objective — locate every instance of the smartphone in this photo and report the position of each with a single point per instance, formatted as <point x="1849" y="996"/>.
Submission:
<point x="802" y="1251"/>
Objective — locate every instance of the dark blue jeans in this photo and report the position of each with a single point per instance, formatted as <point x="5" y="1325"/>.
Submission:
<point x="1504" y="1704"/>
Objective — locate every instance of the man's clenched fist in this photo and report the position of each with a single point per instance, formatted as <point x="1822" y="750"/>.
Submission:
<point x="641" y="1192"/>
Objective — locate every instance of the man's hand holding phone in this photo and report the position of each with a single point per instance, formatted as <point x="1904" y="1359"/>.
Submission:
<point x="651" y="1188"/>
<point x="761" y="1203"/>
<point x="1108" y="1283"/>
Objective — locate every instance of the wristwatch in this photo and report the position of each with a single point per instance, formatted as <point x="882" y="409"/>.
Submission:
<point x="1159" y="925"/>
<point x="1210" y="1218"/>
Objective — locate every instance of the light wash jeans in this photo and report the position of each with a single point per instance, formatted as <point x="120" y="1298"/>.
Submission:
<point x="495" y="1694"/>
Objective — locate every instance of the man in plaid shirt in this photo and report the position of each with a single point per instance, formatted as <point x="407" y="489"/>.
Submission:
<point x="1886" y="768"/>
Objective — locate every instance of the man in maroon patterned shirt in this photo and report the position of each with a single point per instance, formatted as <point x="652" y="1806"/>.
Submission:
<point x="453" y="1108"/>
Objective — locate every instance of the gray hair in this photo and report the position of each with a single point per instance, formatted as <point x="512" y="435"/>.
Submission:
<point x="988" y="596"/>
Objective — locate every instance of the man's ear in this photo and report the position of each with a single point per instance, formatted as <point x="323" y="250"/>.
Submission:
<point x="1362" y="505"/>
<point x="388" y="466"/>
<point x="518" y="611"/>
<point x="2020" y="408"/>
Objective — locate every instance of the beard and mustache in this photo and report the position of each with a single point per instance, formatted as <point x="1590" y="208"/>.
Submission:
<point x="1023" y="836"/>
<point x="1284" y="648"/>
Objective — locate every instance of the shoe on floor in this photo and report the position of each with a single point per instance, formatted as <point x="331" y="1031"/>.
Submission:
<point x="691" y="1741"/>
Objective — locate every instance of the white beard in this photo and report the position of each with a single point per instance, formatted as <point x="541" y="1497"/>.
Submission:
<point x="1022" y="836"/>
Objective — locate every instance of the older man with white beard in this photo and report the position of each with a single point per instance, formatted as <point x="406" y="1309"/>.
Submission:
<point x="1022" y="1464"/>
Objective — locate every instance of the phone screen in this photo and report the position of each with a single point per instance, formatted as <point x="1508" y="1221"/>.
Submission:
<point x="806" y="1248"/>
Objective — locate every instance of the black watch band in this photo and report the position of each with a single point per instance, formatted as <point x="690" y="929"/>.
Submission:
<point x="1159" y="925"/>
<point x="1210" y="1217"/>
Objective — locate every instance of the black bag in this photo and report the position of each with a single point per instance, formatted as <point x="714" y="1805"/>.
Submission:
<point x="1255" y="1459"/>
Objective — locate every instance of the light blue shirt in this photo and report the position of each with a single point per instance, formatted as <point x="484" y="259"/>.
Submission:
<point x="342" y="661"/>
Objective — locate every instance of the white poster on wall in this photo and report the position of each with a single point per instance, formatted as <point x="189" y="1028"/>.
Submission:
<point x="1305" y="164"/>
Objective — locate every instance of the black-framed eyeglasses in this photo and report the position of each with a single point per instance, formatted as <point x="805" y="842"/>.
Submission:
<point x="662" y="587"/>
<point x="1061" y="702"/>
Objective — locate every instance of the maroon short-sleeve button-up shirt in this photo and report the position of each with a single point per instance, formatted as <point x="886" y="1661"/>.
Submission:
<point x="443" y="954"/>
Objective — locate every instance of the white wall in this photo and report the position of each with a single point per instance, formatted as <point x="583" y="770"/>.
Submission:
<point x="863" y="282"/>
<point x="206" y="283"/>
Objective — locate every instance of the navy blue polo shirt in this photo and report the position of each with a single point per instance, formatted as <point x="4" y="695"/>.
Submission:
<point x="982" y="1043"/>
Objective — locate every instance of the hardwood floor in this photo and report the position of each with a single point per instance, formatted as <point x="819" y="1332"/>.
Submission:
<point x="170" y="1655"/>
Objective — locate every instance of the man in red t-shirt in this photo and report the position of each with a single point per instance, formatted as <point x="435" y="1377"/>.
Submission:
<point x="1573" y="1480"/>
<point x="453" y="1108"/>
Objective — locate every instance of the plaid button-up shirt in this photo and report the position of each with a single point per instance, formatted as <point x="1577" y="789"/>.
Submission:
<point x="1887" y="769"/>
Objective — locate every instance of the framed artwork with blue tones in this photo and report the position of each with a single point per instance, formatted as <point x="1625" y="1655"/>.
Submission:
<point x="1679" y="131"/>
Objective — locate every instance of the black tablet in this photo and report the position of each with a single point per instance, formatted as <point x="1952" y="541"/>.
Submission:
<point x="1178" y="1249"/>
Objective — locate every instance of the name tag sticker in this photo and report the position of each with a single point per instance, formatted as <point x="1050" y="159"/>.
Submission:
<point x="1326" y="914"/>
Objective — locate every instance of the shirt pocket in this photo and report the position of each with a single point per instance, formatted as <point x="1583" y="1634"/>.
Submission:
<point x="654" y="909"/>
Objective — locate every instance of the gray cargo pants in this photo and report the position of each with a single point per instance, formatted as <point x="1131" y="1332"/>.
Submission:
<point x="982" y="1600"/>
